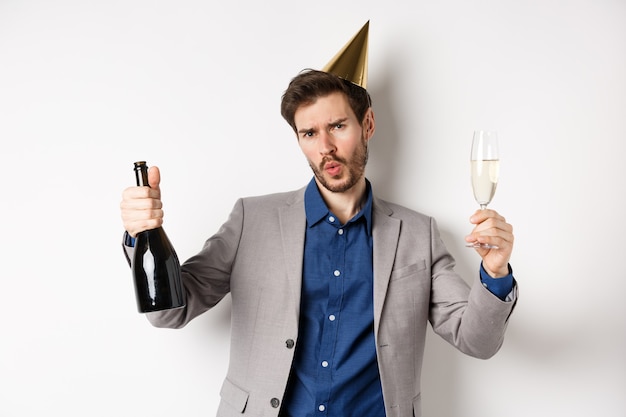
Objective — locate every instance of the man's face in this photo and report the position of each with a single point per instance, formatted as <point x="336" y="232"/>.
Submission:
<point x="333" y="141"/>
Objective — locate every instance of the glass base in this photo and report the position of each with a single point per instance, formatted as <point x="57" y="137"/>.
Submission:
<point x="481" y="245"/>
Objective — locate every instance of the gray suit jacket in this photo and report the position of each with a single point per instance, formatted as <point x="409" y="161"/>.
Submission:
<point x="257" y="256"/>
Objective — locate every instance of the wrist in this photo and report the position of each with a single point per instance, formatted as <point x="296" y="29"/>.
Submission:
<point x="498" y="273"/>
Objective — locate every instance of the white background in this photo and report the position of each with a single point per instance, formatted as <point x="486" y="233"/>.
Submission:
<point x="88" y="87"/>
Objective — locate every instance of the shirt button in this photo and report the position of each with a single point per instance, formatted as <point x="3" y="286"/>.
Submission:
<point x="336" y="273"/>
<point x="340" y="231"/>
<point x="325" y="364"/>
<point x="321" y="407"/>
<point x="289" y="343"/>
<point x="275" y="402"/>
<point x="331" y="219"/>
<point x="331" y="317"/>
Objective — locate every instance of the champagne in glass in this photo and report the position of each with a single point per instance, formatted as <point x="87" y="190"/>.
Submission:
<point x="485" y="169"/>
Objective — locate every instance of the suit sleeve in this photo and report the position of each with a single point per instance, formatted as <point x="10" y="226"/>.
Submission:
<point x="206" y="275"/>
<point x="470" y="318"/>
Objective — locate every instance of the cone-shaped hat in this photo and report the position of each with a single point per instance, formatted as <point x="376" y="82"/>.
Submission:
<point x="350" y="63"/>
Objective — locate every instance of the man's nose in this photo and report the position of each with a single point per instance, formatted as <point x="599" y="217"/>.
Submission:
<point x="326" y="143"/>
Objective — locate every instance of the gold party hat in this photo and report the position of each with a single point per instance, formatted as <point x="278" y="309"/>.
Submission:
<point x="350" y="63"/>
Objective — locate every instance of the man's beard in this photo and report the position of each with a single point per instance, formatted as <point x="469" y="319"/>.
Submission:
<point x="354" y="169"/>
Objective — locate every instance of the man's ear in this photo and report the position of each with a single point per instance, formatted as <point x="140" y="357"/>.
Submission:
<point x="369" y="124"/>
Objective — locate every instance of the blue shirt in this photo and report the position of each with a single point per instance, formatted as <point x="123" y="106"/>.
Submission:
<point x="335" y="371"/>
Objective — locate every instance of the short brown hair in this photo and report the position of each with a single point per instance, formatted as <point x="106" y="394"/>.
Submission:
<point x="309" y="85"/>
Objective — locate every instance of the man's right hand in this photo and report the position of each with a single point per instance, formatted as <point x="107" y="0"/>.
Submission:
<point x="141" y="206"/>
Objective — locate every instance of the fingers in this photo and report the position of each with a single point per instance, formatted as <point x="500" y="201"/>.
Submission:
<point x="490" y="223"/>
<point x="154" y="177"/>
<point x="492" y="228"/>
<point x="131" y="194"/>
<point x="141" y="207"/>
<point x="138" y="225"/>
<point x="492" y="231"/>
<point x="482" y="215"/>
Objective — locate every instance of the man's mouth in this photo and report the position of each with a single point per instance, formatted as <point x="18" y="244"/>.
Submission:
<point x="333" y="168"/>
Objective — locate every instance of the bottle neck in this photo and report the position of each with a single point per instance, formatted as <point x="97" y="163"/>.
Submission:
<point x="141" y="174"/>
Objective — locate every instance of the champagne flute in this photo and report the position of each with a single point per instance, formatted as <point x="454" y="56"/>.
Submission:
<point x="485" y="169"/>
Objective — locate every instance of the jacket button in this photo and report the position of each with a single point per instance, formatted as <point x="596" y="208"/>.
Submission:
<point x="290" y="343"/>
<point x="275" y="402"/>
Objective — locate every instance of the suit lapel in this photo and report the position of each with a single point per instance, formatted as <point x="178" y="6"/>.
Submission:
<point x="385" y="231"/>
<point x="292" y="219"/>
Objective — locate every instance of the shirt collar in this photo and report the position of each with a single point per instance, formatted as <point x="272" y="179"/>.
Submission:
<point x="317" y="210"/>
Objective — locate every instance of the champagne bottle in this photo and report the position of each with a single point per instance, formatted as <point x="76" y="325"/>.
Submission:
<point x="155" y="265"/>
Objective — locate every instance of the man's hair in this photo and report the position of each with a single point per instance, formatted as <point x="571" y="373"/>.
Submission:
<point x="306" y="87"/>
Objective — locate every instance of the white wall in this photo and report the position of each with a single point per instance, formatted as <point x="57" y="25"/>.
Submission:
<point x="88" y="87"/>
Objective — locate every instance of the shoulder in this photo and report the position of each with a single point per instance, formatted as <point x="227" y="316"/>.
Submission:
<point x="400" y="212"/>
<point x="264" y="210"/>
<point x="274" y="200"/>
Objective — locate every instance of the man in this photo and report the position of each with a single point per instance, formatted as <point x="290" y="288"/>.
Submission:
<point x="332" y="288"/>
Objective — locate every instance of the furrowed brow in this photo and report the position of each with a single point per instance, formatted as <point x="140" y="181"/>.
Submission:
<point x="305" y="131"/>
<point x="337" y="122"/>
